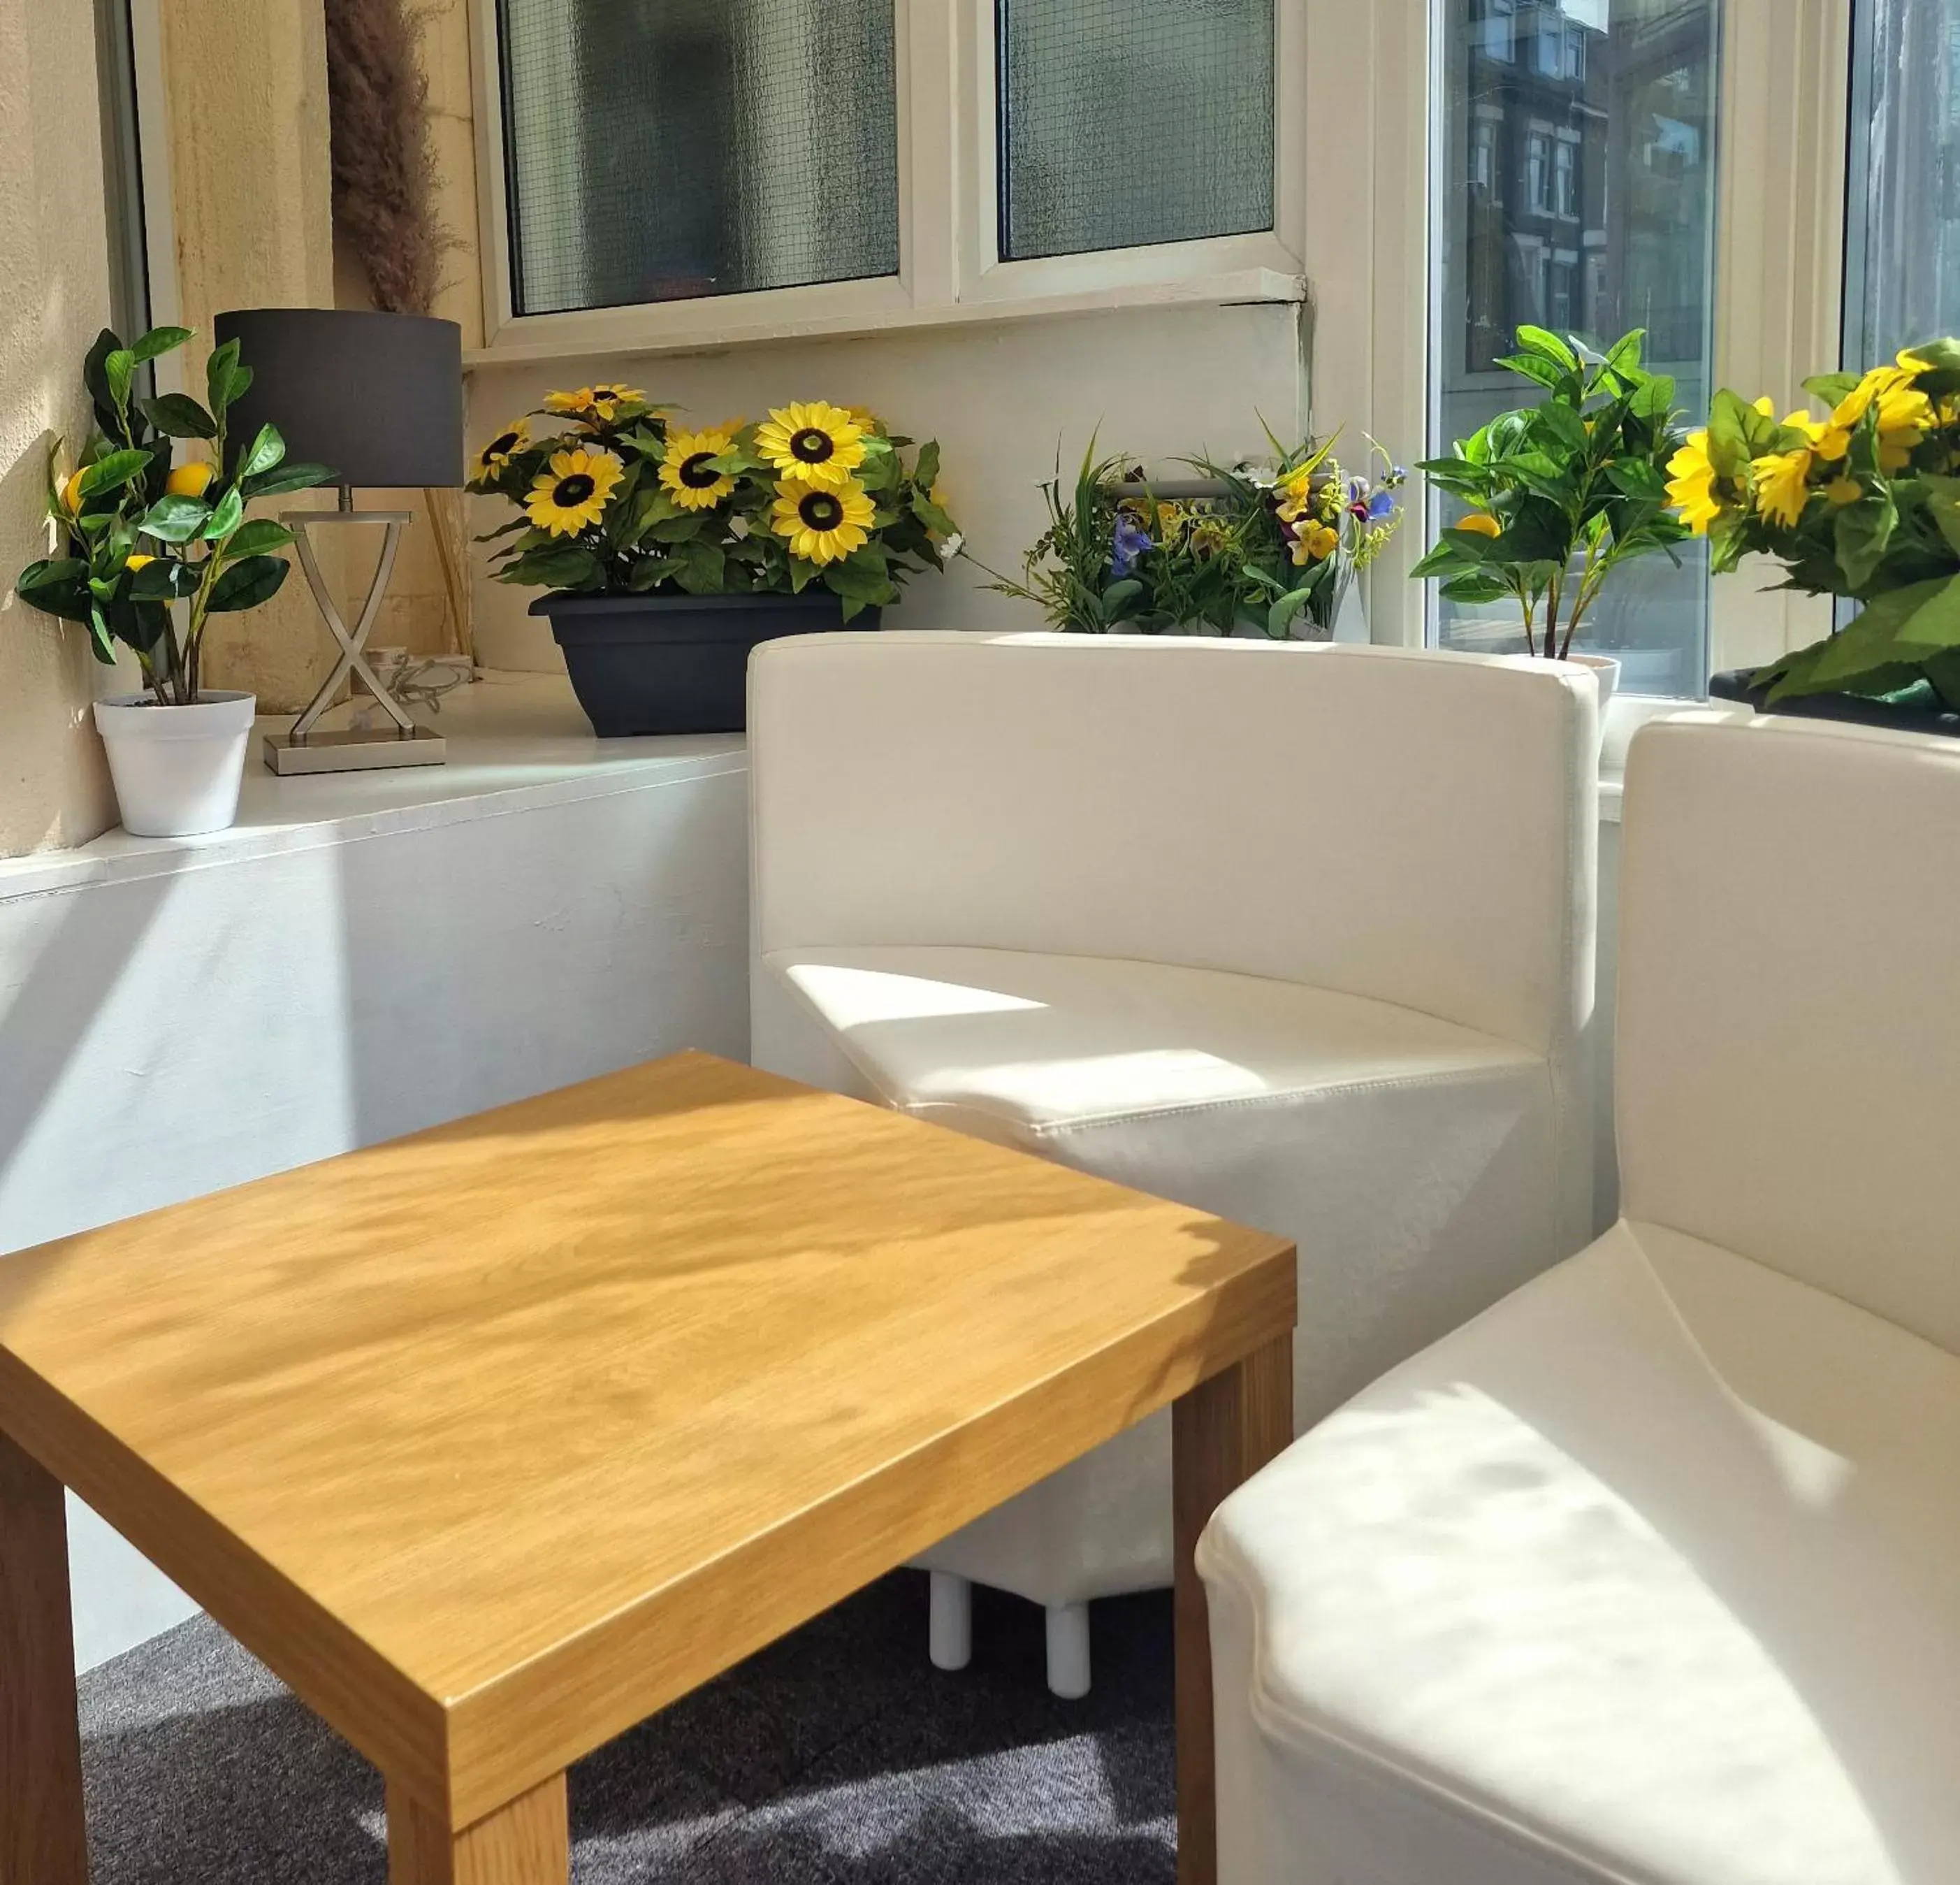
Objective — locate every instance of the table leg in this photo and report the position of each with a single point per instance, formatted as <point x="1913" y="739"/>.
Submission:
<point x="1221" y="1432"/>
<point x="43" y="1838"/>
<point x="526" y="1843"/>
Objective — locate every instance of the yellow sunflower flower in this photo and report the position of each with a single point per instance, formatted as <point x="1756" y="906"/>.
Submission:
<point x="1782" y="486"/>
<point x="821" y="522"/>
<point x="815" y="444"/>
<point x="1691" y="488"/>
<point x="867" y="420"/>
<point x="572" y="495"/>
<point x="1315" y="542"/>
<point x="503" y="448"/>
<point x="690" y="480"/>
<point x="596" y="405"/>
<point x="1905" y="414"/>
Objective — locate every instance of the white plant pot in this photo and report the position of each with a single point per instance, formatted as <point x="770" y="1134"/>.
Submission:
<point x="176" y="769"/>
<point x="1607" y="670"/>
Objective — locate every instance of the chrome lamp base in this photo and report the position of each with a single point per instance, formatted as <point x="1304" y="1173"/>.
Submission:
<point x="359" y="750"/>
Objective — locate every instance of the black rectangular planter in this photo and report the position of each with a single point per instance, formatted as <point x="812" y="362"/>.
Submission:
<point x="677" y="663"/>
<point x="1922" y="712"/>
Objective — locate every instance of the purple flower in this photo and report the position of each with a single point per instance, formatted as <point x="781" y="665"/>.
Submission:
<point x="1127" y="546"/>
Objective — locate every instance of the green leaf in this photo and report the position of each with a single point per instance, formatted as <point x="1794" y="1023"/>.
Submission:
<point x="1118" y="596"/>
<point x="566" y="566"/>
<point x="95" y="376"/>
<point x="1863" y="532"/>
<point x="175" y="518"/>
<point x="925" y="473"/>
<point x="267" y="449"/>
<point x="255" y="537"/>
<point x="158" y="340"/>
<point x="681" y="528"/>
<point x="1538" y="340"/>
<point x="294" y="476"/>
<point x="120" y="368"/>
<point x="701" y="569"/>
<point x="220" y="371"/>
<point x="178" y="415"/>
<point x="163" y="579"/>
<point x="246" y="584"/>
<point x="112" y="471"/>
<point x="931" y="515"/>
<point x="1280" y="616"/>
<point x="1934" y="626"/>
<point x="1534" y="367"/>
<point x="227" y="517"/>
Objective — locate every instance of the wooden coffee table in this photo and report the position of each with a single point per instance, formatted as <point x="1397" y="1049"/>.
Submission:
<point x="493" y="1441"/>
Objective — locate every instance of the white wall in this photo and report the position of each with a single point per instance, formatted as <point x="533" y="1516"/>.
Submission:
<point x="998" y="397"/>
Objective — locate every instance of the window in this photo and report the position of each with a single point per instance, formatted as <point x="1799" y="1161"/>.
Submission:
<point x="1129" y="122"/>
<point x="658" y="150"/>
<point x="1538" y="172"/>
<point x="1619" y="143"/>
<point x="1902" y="276"/>
<point x="121" y="169"/>
<point x="1548" y="46"/>
<point x="1499" y="25"/>
<point x="1484" y="157"/>
<point x="1575" y="53"/>
<point x="1565" y="178"/>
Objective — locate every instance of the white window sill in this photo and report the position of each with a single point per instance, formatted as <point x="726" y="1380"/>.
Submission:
<point x="517" y="742"/>
<point x="711" y="326"/>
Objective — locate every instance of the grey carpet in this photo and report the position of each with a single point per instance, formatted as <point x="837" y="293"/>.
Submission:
<point x="838" y="1756"/>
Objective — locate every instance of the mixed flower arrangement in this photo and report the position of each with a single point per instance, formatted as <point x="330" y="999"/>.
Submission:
<point x="137" y="534"/>
<point x="1864" y="503"/>
<point x="1560" y="494"/>
<point x="625" y="500"/>
<point x="1267" y="546"/>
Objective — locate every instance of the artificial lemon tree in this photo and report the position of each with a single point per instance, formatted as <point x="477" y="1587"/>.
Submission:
<point x="151" y="549"/>
<point x="624" y="500"/>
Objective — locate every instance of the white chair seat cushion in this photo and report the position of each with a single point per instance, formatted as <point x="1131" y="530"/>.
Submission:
<point x="1373" y="1135"/>
<point x="1648" y="1575"/>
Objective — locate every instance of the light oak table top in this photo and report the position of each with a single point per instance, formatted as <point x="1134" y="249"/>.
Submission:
<point x="493" y="1441"/>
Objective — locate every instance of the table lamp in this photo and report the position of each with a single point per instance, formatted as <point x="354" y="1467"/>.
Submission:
<point x="378" y="398"/>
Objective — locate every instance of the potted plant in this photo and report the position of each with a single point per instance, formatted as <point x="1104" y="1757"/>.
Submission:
<point x="1864" y="504"/>
<point x="1268" y="549"/>
<point x="148" y="553"/>
<point x="670" y="552"/>
<point x="1562" y="493"/>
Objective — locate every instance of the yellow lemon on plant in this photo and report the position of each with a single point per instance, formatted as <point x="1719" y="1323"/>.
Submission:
<point x="1482" y="524"/>
<point x="138" y="561"/>
<point x="71" y="493"/>
<point x="192" y="479"/>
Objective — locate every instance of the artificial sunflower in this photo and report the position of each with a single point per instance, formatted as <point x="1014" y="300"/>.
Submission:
<point x="503" y="448"/>
<point x="1690" y="488"/>
<point x="1782" y="486"/>
<point x="816" y="443"/>
<point x="597" y="405"/>
<point x="820" y="522"/>
<point x="572" y="495"/>
<point x="687" y="471"/>
<point x="1905" y="414"/>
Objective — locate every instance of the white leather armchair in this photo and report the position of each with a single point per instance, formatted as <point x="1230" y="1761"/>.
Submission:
<point x="1303" y="935"/>
<point x="1650" y="1573"/>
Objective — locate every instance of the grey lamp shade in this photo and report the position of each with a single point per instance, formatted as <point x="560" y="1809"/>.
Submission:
<point x="378" y="397"/>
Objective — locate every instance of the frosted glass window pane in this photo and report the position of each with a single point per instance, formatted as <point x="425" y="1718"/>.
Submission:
<point x="1125" y="122"/>
<point x="658" y="150"/>
<point x="1576" y="192"/>
<point x="1903" y="281"/>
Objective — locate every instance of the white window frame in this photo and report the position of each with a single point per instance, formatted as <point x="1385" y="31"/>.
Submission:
<point x="950" y="269"/>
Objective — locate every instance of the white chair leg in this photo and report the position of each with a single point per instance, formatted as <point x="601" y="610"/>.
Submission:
<point x="1068" y="1650"/>
<point x="949" y="1630"/>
